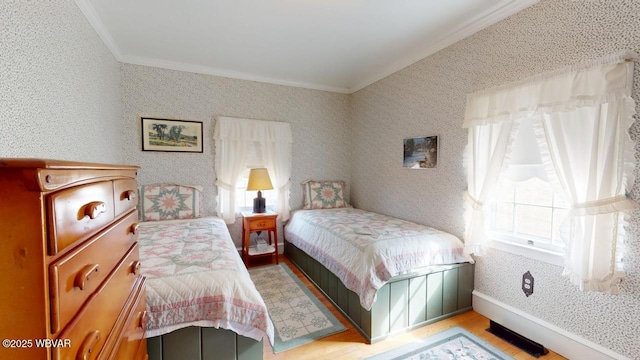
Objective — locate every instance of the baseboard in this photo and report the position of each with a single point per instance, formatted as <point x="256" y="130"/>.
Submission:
<point x="552" y="337"/>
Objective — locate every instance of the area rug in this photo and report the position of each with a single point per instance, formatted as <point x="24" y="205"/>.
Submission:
<point x="455" y="343"/>
<point x="298" y="316"/>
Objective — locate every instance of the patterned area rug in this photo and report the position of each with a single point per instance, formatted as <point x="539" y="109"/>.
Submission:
<point x="455" y="343"/>
<point x="298" y="316"/>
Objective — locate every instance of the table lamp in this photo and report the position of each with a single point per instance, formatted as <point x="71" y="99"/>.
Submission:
<point x="259" y="180"/>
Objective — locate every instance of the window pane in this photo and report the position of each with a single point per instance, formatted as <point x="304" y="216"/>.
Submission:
<point x="534" y="192"/>
<point x="504" y="217"/>
<point x="527" y="212"/>
<point x="534" y="220"/>
<point x="506" y="191"/>
<point x="245" y="198"/>
<point x="560" y="201"/>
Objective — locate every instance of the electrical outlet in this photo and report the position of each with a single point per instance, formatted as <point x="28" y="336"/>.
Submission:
<point x="527" y="283"/>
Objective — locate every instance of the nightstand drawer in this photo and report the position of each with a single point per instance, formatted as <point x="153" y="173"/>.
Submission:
<point x="261" y="224"/>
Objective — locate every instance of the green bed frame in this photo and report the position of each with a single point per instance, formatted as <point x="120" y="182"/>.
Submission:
<point x="404" y="303"/>
<point x="203" y="343"/>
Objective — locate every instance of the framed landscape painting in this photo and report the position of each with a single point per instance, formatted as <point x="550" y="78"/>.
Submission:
<point x="171" y="135"/>
<point x="420" y="152"/>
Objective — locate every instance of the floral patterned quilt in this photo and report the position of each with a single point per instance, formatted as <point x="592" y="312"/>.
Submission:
<point x="195" y="277"/>
<point x="365" y="249"/>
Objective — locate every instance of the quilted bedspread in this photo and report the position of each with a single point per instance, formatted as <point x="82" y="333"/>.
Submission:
<point x="365" y="249"/>
<point x="196" y="277"/>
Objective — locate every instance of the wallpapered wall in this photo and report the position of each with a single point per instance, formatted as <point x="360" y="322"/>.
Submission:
<point x="319" y="123"/>
<point x="428" y="98"/>
<point x="63" y="96"/>
<point x="59" y="85"/>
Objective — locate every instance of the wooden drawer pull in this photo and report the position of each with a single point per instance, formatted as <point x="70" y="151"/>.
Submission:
<point x="143" y="320"/>
<point x="95" y="208"/>
<point x="134" y="228"/>
<point x="87" y="347"/>
<point x="130" y="195"/>
<point x="135" y="267"/>
<point x="85" y="275"/>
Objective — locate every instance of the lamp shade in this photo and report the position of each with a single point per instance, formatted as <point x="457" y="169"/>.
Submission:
<point x="259" y="180"/>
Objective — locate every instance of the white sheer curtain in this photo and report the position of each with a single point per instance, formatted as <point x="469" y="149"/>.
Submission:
<point x="233" y="137"/>
<point x="589" y="150"/>
<point x="581" y="118"/>
<point x="276" y="153"/>
<point x="231" y="150"/>
<point x="485" y="155"/>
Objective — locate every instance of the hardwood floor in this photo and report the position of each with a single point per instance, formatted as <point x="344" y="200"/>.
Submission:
<point x="350" y="344"/>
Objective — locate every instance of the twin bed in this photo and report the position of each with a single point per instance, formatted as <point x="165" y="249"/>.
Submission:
<point x="201" y="302"/>
<point x="200" y="298"/>
<point x="384" y="274"/>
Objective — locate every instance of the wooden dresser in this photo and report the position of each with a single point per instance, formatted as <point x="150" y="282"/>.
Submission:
<point x="70" y="284"/>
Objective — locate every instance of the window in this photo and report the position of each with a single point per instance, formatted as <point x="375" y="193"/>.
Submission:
<point x="580" y="118"/>
<point x="528" y="214"/>
<point x="525" y="213"/>
<point x="244" y="198"/>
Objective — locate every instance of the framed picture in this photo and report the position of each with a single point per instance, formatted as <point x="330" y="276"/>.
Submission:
<point x="420" y="152"/>
<point x="171" y="135"/>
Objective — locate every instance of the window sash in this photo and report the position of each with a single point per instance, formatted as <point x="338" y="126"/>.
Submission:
<point x="508" y="221"/>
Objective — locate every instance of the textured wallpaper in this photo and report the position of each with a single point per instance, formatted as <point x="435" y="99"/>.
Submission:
<point x="319" y="123"/>
<point x="62" y="95"/>
<point x="428" y="98"/>
<point x="59" y="85"/>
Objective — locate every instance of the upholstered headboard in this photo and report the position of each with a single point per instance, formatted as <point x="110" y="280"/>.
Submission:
<point x="169" y="201"/>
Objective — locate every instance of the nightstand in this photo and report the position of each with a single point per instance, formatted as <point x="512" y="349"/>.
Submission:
<point x="253" y="222"/>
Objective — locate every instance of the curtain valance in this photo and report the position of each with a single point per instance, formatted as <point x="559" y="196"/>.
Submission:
<point x="252" y="130"/>
<point x="602" y="81"/>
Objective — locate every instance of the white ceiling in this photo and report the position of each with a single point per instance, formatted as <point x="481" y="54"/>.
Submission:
<point x="334" y="45"/>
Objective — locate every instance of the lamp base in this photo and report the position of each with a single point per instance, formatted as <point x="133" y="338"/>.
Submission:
<point x="259" y="204"/>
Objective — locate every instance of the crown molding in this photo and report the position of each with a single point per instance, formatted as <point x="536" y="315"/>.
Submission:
<point x="92" y="16"/>
<point x="171" y="65"/>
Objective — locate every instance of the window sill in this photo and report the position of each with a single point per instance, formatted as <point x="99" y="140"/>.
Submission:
<point x="543" y="255"/>
<point x="241" y="209"/>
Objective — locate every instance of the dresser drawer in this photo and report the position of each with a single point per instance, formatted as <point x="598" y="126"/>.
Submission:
<point x="89" y="330"/>
<point x="261" y="224"/>
<point x="78" y="274"/>
<point x="131" y="339"/>
<point x="78" y="212"/>
<point x="125" y="195"/>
